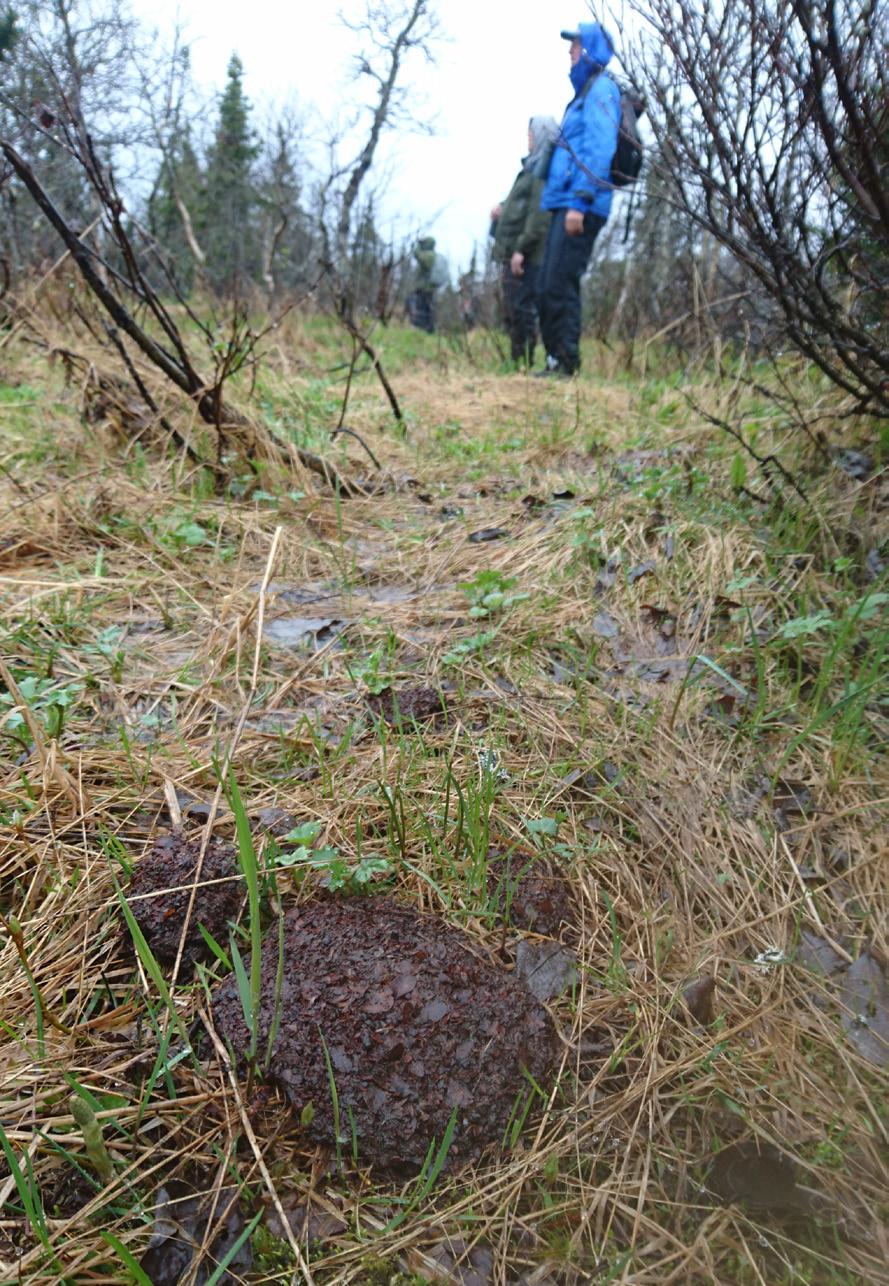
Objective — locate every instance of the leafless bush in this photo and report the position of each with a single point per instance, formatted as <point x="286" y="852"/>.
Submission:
<point x="772" y="121"/>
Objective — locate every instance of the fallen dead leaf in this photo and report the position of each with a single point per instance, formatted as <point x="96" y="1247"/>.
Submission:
<point x="642" y="569"/>
<point x="865" y="996"/>
<point x="700" y="999"/>
<point x="180" y="1225"/>
<point x="452" y="1262"/>
<point x="487" y="534"/>
<point x="816" y="953"/>
<point x="307" y="1222"/>
<point x="604" y="626"/>
<point x="302" y="631"/>
<point x="547" y="968"/>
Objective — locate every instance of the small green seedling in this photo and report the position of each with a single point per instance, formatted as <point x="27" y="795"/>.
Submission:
<point x="488" y="593"/>
<point x="340" y="874"/>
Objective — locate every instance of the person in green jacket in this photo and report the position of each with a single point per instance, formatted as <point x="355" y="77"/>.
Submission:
<point x="519" y="228"/>
<point x="421" y="303"/>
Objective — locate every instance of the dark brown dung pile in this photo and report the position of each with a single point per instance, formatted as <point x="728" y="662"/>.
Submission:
<point x="172" y="863"/>
<point x="406" y="704"/>
<point x="415" y="1026"/>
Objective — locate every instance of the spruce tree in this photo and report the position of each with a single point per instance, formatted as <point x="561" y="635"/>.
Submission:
<point x="283" y="220"/>
<point x="228" y="231"/>
<point x="8" y="31"/>
<point x="366" y="256"/>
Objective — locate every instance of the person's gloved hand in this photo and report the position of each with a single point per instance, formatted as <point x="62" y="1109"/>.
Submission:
<point x="517" y="264"/>
<point x="574" y="222"/>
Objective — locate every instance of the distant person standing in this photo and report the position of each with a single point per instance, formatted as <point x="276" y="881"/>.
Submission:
<point x="579" y="192"/>
<point x="519" y="227"/>
<point x="431" y="273"/>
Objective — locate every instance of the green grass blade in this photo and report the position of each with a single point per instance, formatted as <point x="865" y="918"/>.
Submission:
<point x="229" y="1255"/>
<point x="128" y="1259"/>
<point x="250" y="869"/>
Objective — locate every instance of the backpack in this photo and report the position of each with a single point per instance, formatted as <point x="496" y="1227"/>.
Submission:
<point x="441" y="273"/>
<point x="627" y="160"/>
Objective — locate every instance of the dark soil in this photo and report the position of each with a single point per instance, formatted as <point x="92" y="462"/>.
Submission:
<point x="415" y="1025"/>
<point x="533" y="897"/>
<point x="171" y="863"/>
<point x="405" y="704"/>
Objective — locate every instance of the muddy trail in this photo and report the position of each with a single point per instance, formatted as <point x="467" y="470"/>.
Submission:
<point x="470" y="881"/>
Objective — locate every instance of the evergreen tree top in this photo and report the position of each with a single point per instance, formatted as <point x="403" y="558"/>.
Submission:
<point x="235" y="143"/>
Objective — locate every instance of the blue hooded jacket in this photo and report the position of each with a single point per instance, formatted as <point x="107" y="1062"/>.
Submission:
<point x="589" y="127"/>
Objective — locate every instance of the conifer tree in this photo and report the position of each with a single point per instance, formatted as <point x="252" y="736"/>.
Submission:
<point x="367" y="253"/>
<point x="8" y="31"/>
<point x="285" y="232"/>
<point x="227" y="218"/>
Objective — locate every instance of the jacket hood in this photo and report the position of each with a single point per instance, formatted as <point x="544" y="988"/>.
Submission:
<point x="544" y="131"/>
<point x="598" y="48"/>
<point x="597" y="44"/>
<point x="426" y="243"/>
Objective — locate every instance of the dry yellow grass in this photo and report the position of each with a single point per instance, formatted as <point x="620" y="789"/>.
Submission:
<point x="678" y="869"/>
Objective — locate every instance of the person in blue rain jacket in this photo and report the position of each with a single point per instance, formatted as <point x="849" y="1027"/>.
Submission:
<point x="579" y="193"/>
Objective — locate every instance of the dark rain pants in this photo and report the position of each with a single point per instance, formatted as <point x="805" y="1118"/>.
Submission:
<point x="564" y="264"/>
<point x="519" y="296"/>
<point x="421" y="307"/>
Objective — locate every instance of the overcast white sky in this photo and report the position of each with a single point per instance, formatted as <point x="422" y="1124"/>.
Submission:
<point x="501" y="61"/>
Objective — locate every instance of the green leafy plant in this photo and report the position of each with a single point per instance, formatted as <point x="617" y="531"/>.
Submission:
<point x="863" y="610"/>
<point x="587" y="542"/>
<point x="188" y="535"/>
<point x="371" y="672"/>
<point x="340" y="874"/>
<point x="107" y="645"/>
<point x="799" y="626"/>
<point x="489" y="593"/>
<point x="469" y="647"/>
<point x="49" y="700"/>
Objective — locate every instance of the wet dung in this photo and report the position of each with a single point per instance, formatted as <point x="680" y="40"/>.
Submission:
<point x="405" y="704"/>
<point x="415" y="1027"/>
<point x="172" y="863"/>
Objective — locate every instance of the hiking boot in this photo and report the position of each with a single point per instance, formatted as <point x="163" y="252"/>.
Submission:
<point x="553" y="369"/>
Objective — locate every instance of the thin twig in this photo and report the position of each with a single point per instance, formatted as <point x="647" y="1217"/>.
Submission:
<point x="358" y="438"/>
